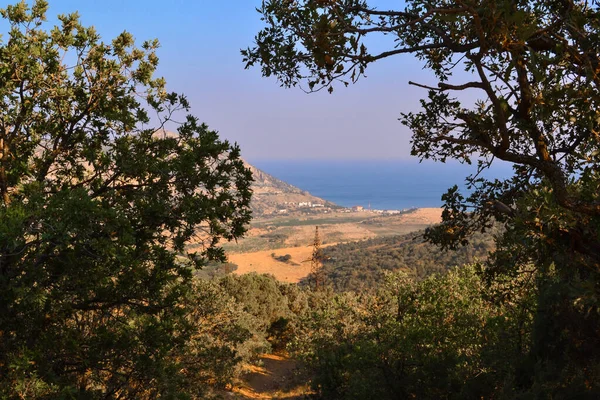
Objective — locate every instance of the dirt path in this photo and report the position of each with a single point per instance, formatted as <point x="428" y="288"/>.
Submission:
<point x="277" y="378"/>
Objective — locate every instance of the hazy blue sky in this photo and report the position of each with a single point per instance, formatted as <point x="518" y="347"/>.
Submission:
<point x="200" y="56"/>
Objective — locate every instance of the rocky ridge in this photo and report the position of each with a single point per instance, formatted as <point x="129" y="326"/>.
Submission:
<point x="272" y="195"/>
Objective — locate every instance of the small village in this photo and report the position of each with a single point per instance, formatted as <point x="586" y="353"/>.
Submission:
<point x="325" y="208"/>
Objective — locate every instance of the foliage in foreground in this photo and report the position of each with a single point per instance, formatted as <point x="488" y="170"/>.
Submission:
<point x="275" y="305"/>
<point x="97" y="204"/>
<point x="443" y="337"/>
<point x="448" y="336"/>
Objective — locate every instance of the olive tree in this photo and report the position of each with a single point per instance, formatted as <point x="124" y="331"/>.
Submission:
<point x="534" y="68"/>
<point x="97" y="204"/>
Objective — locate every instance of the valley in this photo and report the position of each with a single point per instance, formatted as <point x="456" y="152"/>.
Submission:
<point x="270" y="237"/>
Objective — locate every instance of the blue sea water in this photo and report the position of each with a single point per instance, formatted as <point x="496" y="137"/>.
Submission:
<point x="386" y="185"/>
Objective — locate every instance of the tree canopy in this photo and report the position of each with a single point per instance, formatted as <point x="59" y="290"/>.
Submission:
<point x="97" y="204"/>
<point x="534" y="68"/>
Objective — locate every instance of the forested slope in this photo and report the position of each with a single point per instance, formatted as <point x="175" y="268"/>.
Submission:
<point x="360" y="265"/>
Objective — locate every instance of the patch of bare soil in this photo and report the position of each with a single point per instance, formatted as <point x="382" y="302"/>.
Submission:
<point x="423" y="216"/>
<point x="277" y="378"/>
<point x="263" y="262"/>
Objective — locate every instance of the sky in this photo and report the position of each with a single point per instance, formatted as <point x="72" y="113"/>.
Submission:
<point x="200" y="57"/>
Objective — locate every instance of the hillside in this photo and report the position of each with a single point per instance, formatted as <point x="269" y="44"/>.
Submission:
<point x="360" y="266"/>
<point x="272" y="195"/>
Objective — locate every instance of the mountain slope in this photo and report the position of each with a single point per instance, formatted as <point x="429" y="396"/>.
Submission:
<point x="272" y="195"/>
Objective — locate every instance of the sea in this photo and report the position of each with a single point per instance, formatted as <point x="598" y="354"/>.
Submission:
<point x="378" y="184"/>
